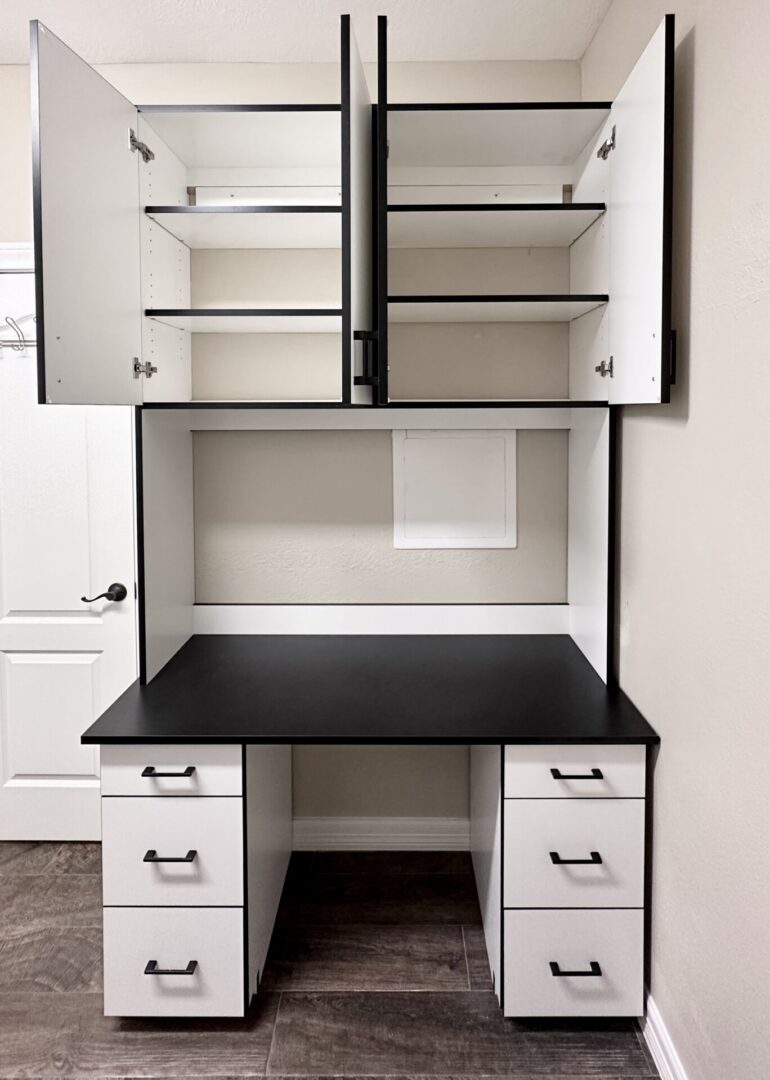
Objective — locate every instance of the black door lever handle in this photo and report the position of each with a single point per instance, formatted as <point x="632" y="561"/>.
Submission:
<point x="115" y="593"/>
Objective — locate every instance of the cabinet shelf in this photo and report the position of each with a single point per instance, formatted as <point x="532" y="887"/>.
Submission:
<point x="520" y="308"/>
<point x="478" y="225"/>
<point x="298" y="320"/>
<point x="498" y="134"/>
<point x="252" y="227"/>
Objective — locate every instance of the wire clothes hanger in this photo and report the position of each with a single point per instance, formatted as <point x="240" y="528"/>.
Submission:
<point x="19" y="342"/>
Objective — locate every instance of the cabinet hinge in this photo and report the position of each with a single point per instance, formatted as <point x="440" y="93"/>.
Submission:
<point x="137" y="144"/>
<point x="145" y="368"/>
<point x="606" y="368"/>
<point x="607" y="146"/>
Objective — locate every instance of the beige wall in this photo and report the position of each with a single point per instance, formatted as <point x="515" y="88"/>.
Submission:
<point x="307" y="517"/>
<point x="695" y="518"/>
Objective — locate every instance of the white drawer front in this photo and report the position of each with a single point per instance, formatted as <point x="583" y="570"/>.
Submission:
<point x="216" y="770"/>
<point x="173" y="937"/>
<point x="613" y="829"/>
<point x="558" y="772"/>
<point x="209" y="829"/>
<point x="574" y="940"/>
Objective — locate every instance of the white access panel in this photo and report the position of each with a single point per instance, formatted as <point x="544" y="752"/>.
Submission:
<point x="454" y="489"/>
<point x="86" y="211"/>
<point x="639" y="248"/>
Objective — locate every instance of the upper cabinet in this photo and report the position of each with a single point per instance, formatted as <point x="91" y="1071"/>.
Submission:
<point x="524" y="248"/>
<point x="205" y="254"/>
<point x="277" y="255"/>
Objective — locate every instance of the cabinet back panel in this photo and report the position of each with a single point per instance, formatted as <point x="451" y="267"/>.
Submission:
<point x="426" y="271"/>
<point x="297" y="277"/>
<point x="266" y="367"/>
<point x="307" y="517"/>
<point x="478" y="360"/>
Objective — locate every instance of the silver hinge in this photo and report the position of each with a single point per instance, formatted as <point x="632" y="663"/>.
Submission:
<point x="137" y="144"/>
<point x="145" y="368"/>
<point x="604" y="369"/>
<point x="607" y="146"/>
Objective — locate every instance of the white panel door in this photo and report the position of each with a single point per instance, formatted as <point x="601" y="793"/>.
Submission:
<point x="640" y="226"/>
<point x="86" y="216"/>
<point x="66" y="531"/>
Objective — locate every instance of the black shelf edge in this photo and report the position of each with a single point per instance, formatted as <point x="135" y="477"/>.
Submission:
<point x="230" y="312"/>
<point x="400" y="208"/>
<point x="496" y="106"/>
<point x="514" y="298"/>
<point x="243" y="209"/>
<point x="516" y="403"/>
<point x="238" y="108"/>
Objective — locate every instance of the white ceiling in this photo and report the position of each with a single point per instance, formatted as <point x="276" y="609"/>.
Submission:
<point x="131" y="31"/>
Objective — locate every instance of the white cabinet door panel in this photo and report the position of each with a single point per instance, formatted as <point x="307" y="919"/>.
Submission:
<point x="86" y="215"/>
<point x="640" y="229"/>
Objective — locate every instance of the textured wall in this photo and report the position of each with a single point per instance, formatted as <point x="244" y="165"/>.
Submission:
<point x="695" y="517"/>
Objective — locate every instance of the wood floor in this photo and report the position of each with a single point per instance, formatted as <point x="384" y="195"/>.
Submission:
<point x="357" y="935"/>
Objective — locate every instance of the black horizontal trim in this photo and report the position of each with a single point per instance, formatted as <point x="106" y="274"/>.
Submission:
<point x="237" y="108"/>
<point x="243" y="209"/>
<point x="536" y="403"/>
<point x="400" y="208"/>
<point x="497" y="106"/>
<point x="229" y="312"/>
<point x="326" y="740"/>
<point x="514" y="298"/>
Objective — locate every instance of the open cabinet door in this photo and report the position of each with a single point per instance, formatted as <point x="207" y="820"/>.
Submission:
<point x="640" y="226"/>
<point x="357" y="315"/>
<point x="86" y="219"/>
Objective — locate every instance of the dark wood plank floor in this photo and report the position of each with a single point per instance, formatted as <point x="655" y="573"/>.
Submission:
<point x="377" y="968"/>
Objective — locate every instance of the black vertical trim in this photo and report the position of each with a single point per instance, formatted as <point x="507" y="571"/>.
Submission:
<point x="649" y="813"/>
<point x="668" y="212"/>
<point x="382" y="210"/>
<point x="247" y="992"/>
<point x="613" y="530"/>
<point x="502" y="878"/>
<point x="37" y="206"/>
<point x="140" y="585"/>
<point x="347" y="297"/>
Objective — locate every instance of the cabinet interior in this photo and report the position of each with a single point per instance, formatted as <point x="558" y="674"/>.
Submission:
<point x="497" y="251"/>
<point x="241" y="254"/>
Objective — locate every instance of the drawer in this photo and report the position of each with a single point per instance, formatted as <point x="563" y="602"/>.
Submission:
<point x="558" y="772"/>
<point x="174" y="938"/>
<point x="210" y="829"/>
<point x="200" y="770"/>
<point x="573" y="940"/>
<point x="573" y="829"/>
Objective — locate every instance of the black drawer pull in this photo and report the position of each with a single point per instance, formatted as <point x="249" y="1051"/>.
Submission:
<point x="153" y="969"/>
<point x="557" y="860"/>
<point x="595" y="774"/>
<point x="150" y="770"/>
<point x="153" y="856"/>
<point x="556" y="970"/>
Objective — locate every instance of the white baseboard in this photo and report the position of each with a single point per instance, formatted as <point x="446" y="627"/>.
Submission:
<point x="381" y="618"/>
<point x="381" y="834"/>
<point x="661" y="1046"/>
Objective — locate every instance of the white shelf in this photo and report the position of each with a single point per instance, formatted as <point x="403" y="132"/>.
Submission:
<point x="251" y="227"/>
<point x="529" y="134"/>
<point x="508" y="309"/>
<point x="245" y="138"/>
<point x="251" y="321"/>
<point x="522" y="225"/>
